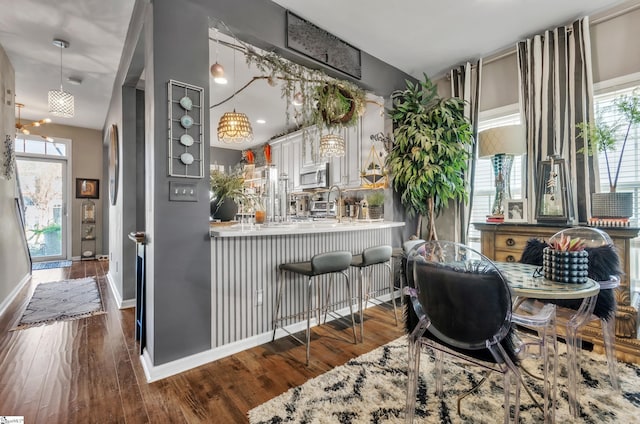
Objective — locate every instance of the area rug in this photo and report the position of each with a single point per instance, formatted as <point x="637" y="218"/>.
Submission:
<point x="62" y="301"/>
<point x="50" y="265"/>
<point x="372" y="389"/>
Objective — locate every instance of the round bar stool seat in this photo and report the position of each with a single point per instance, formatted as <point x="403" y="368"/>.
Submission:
<point x="377" y="255"/>
<point x="336" y="262"/>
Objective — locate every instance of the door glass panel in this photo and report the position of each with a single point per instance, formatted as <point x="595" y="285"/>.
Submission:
<point x="42" y="185"/>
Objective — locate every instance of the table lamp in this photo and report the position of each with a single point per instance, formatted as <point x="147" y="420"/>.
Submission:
<point x="501" y="144"/>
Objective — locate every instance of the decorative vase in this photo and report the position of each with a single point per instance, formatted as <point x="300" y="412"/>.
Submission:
<point x="565" y="267"/>
<point x="224" y="210"/>
<point x="612" y="205"/>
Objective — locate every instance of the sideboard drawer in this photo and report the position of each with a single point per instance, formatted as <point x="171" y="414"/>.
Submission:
<point x="512" y="242"/>
<point x="507" y="256"/>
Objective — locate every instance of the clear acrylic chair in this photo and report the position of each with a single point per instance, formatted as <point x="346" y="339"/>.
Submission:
<point x="460" y="305"/>
<point x="604" y="267"/>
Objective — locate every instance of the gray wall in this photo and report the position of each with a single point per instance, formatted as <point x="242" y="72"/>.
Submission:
<point x="226" y="157"/>
<point x="179" y="248"/>
<point x="14" y="260"/>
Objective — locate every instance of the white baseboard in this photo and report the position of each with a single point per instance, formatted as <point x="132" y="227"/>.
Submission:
<point x="11" y="297"/>
<point x="122" y="304"/>
<point x="158" y="372"/>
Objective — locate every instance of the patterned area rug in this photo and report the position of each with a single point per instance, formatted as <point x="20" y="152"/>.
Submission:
<point x="62" y="301"/>
<point x="50" y="265"/>
<point x="372" y="389"/>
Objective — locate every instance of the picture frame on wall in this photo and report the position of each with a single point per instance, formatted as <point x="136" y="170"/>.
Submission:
<point x="87" y="188"/>
<point x="552" y="192"/>
<point x="515" y="210"/>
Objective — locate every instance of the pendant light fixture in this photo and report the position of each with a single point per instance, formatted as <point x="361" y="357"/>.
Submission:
<point x="234" y="127"/>
<point x="24" y="128"/>
<point x="61" y="102"/>
<point x="331" y="145"/>
<point x="217" y="71"/>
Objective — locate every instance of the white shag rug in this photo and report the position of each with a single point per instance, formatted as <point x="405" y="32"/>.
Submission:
<point x="372" y="389"/>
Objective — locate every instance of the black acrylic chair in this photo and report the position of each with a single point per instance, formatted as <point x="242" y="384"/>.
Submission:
<point x="460" y="305"/>
<point x="334" y="263"/>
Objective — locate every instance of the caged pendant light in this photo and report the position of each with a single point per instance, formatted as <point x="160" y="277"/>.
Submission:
<point x="61" y="103"/>
<point x="234" y="127"/>
<point x="217" y="71"/>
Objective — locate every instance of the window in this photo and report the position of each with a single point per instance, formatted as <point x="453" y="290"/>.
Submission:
<point x="37" y="146"/>
<point x="484" y="188"/>
<point x="629" y="178"/>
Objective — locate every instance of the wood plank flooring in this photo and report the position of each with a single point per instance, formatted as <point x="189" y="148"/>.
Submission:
<point x="88" y="370"/>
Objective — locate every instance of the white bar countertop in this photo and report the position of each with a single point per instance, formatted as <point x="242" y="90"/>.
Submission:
<point x="304" y="227"/>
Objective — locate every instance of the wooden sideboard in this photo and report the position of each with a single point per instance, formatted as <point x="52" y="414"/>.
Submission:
<point x="505" y="242"/>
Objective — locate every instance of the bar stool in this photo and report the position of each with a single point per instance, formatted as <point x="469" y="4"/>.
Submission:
<point x="336" y="262"/>
<point x="365" y="261"/>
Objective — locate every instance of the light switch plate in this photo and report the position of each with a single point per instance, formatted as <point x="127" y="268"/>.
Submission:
<point x="183" y="192"/>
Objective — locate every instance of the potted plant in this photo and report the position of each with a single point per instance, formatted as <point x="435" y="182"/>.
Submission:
<point x="602" y="136"/>
<point x="565" y="260"/>
<point x="430" y="153"/>
<point x="227" y="190"/>
<point x="375" y="201"/>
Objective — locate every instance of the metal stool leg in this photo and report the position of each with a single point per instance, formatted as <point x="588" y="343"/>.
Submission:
<point x="392" y="291"/>
<point x="278" y="301"/>
<point x="353" y="321"/>
<point x="360" y="300"/>
<point x="309" y="296"/>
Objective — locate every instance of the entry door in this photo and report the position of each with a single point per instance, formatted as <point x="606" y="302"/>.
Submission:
<point x="43" y="183"/>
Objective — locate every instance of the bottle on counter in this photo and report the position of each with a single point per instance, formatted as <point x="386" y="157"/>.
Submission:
<point x="364" y="209"/>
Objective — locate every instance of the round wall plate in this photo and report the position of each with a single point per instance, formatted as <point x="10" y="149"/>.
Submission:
<point x="186" y="121"/>
<point x="186" y="158"/>
<point x="186" y="103"/>
<point x="186" y="140"/>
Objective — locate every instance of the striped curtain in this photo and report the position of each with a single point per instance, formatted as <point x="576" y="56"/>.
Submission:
<point x="556" y="85"/>
<point x="465" y="84"/>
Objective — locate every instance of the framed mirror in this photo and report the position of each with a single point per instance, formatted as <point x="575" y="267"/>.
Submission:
<point x="113" y="163"/>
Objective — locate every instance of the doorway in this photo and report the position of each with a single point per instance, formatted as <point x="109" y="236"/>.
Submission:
<point x="44" y="182"/>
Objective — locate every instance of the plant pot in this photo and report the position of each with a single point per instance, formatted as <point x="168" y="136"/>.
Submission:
<point x="565" y="267"/>
<point x="612" y="205"/>
<point x="224" y="210"/>
<point x="376" y="212"/>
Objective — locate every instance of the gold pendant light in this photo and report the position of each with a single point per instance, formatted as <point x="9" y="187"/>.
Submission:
<point x="331" y="145"/>
<point x="234" y="127"/>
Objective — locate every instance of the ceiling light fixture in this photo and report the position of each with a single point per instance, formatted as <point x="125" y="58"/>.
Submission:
<point x="23" y="128"/>
<point x="261" y="121"/>
<point x="331" y="145"/>
<point x="234" y="127"/>
<point x="61" y="102"/>
<point x="217" y="71"/>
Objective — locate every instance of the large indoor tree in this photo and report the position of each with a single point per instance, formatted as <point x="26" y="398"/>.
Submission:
<point x="430" y="152"/>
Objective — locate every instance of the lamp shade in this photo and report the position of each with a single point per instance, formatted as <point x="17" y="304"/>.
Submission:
<point x="234" y="127"/>
<point x="508" y="139"/>
<point x="61" y="103"/>
<point x="331" y="145"/>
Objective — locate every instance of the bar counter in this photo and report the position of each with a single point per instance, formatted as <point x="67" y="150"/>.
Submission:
<point x="244" y="270"/>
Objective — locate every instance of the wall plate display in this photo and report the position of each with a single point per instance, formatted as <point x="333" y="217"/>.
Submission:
<point x="186" y="130"/>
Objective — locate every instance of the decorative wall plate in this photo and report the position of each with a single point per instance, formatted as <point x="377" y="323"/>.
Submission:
<point x="186" y="103"/>
<point x="186" y="121"/>
<point x="186" y="158"/>
<point x="186" y="140"/>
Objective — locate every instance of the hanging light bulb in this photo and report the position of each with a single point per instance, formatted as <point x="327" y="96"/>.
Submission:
<point x="331" y="145"/>
<point x="234" y="127"/>
<point x="217" y="71"/>
<point x="61" y="103"/>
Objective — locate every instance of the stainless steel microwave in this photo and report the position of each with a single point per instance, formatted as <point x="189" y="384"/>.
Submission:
<point x="315" y="177"/>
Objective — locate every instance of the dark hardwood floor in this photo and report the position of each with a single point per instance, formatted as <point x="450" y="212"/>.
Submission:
<point x="88" y="370"/>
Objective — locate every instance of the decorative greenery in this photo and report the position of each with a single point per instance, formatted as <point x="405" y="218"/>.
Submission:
<point x="227" y="186"/>
<point x="431" y="151"/>
<point x="376" y="198"/>
<point x="567" y="244"/>
<point x="601" y="136"/>
<point x="325" y="102"/>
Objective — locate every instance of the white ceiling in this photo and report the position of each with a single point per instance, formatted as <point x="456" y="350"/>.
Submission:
<point x="415" y="35"/>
